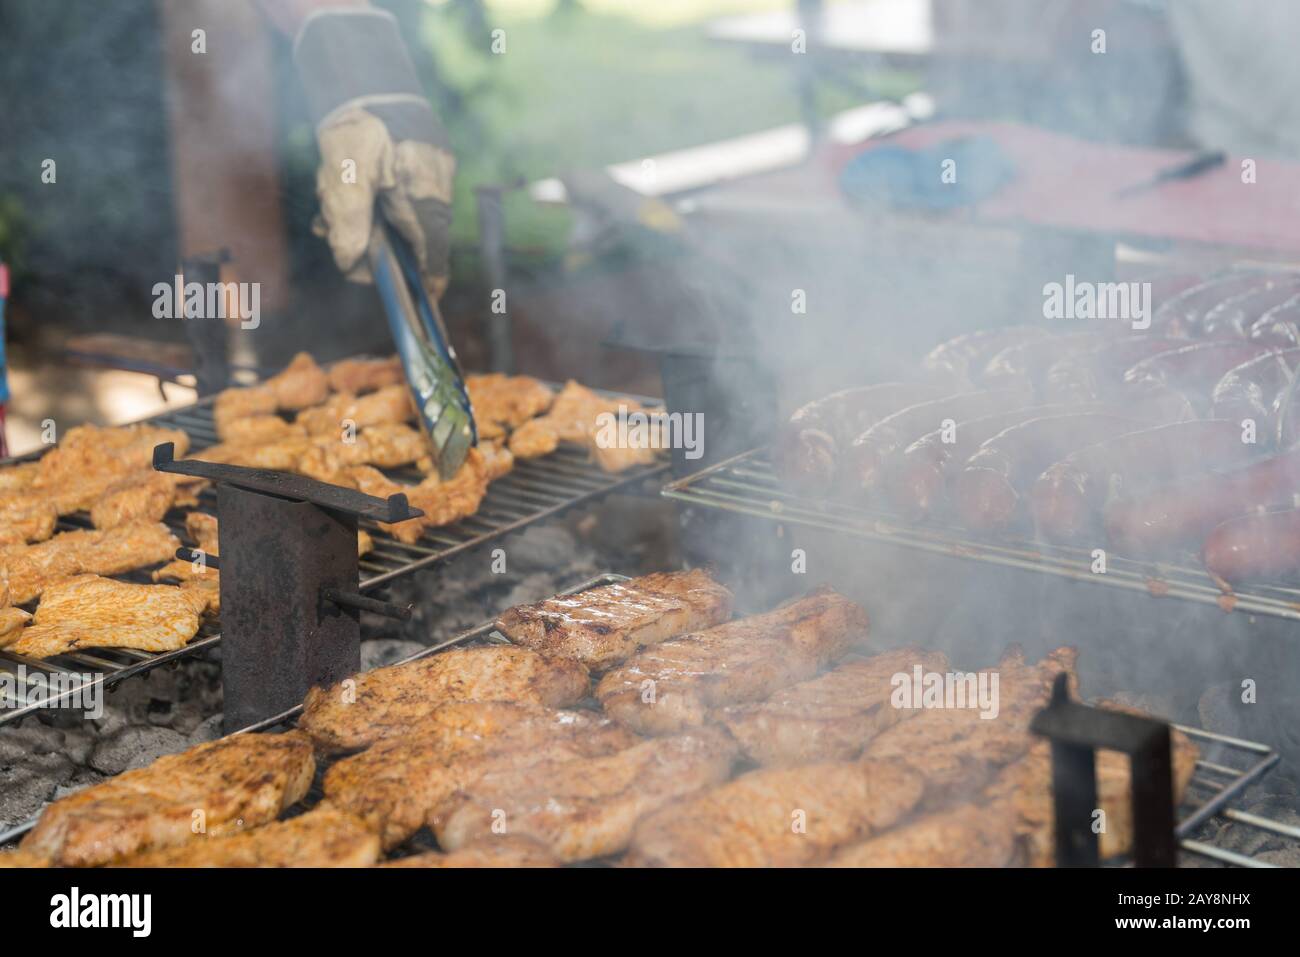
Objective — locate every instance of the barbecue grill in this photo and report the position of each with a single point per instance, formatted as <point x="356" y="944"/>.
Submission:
<point x="1225" y="768"/>
<point x="535" y="489"/>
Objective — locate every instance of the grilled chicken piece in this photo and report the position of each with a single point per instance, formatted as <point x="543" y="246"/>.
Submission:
<point x="388" y="701"/>
<point x="299" y="384"/>
<point x="19" y="858"/>
<point x="442" y="502"/>
<point x="533" y="439"/>
<point x="143" y="497"/>
<point x="499" y="850"/>
<point x="365" y="375"/>
<point x="777" y="817"/>
<point x="388" y="446"/>
<point x="17" y="478"/>
<point x="390" y="405"/>
<point x="12" y="622"/>
<point x="202" y="530"/>
<point x="323" y="837"/>
<point x="574" y="417"/>
<point x="394" y="784"/>
<point x="955" y="751"/>
<point x="224" y="785"/>
<point x="259" y="430"/>
<point x="27" y="521"/>
<point x="113" y="551"/>
<point x="672" y="686"/>
<point x="969" y="835"/>
<point x="1026" y="788"/>
<point x="603" y="626"/>
<point x="584" y="809"/>
<point x="92" y="612"/>
<point x="503" y="402"/>
<point x="241" y="403"/>
<point x="831" y="717"/>
<point x="282" y="455"/>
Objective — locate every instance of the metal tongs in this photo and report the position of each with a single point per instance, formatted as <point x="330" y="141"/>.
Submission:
<point x="432" y="370"/>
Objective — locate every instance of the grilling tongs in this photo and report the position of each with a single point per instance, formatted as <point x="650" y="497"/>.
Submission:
<point x="432" y="370"/>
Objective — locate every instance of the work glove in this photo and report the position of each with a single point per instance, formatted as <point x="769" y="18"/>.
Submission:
<point x="379" y="140"/>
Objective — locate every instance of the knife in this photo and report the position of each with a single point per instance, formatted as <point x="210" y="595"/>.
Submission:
<point x="432" y="370"/>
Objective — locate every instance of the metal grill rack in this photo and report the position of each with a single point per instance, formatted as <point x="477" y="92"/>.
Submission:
<point x="535" y="489"/>
<point x="746" y="484"/>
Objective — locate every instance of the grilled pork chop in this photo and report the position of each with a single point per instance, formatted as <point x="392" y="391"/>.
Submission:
<point x="776" y="817"/>
<point x="969" y="835"/>
<point x="93" y="612"/>
<point x="603" y="626"/>
<point x="671" y="686"/>
<point x="225" y="785"/>
<point x="394" y="784"/>
<point x="389" y="701"/>
<point x="829" y="718"/>
<point x="323" y="837"/>
<point x="499" y="850"/>
<point x="584" y="809"/>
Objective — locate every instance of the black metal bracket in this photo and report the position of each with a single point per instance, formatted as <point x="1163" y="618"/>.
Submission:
<point x="1076" y="731"/>
<point x="194" y="555"/>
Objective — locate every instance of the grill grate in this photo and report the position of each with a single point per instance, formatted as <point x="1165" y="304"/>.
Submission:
<point x="1225" y="768"/>
<point x="535" y="489"/>
<point x="746" y="484"/>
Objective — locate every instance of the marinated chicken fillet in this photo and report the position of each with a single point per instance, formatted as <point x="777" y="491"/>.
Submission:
<point x="92" y="612"/>
<point x="322" y="837"/>
<point x="777" y="817"/>
<point x="299" y="384"/>
<point x="232" y="405"/>
<point x="229" y="784"/>
<point x="954" y="751"/>
<point x="31" y="569"/>
<point x="144" y="497"/>
<point x="27" y="521"/>
<point x="967" y="836"/>
<point x="390" y="701"/>
<point x="259" y="430"/>
<point x="503" y="402"/>
<point x="603" y="626"/>
<point x="390" y="405"/>
<point x="12" y="622"/>
<point x="21" y="859"/>
<point x="673" y="686"/>
<point x="365" y="375"/>
<point x="831" y="717"/>
<point x="396" y="783"/>
<point x="584" y="809"/>
<point x="499" y="850"/>
<point x="442" y="502"/>
<point x="574" y="417"/>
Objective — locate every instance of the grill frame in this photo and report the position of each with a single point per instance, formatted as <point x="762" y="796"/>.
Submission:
<point x="745" y="484"/>
<point x="532" y="491"/>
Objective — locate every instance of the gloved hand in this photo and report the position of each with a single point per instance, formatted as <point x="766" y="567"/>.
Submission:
<point x="379" y="140"/>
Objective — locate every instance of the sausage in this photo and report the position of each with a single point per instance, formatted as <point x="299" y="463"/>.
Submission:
<point x="959" y="361"/>
<point x="1280" y="325"/>
<point x="1236" y="314"/>
<point x="1183" y="314"/>
<point x="1084" y="377"/>
<point x="1258" y="547"/>
<point x="1251" y="390"/>
<point x="1025" y="364"/>
<point x="1169" y="517"/>
<point x="807" y="449"/>
<point x="1069" y="496"/>
<point x="872" y="452"/>
<point x="1194" y="369"/>
<point x="987" y="491"/>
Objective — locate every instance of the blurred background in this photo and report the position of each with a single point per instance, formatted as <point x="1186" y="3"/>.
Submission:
<point x="641" y="176"/>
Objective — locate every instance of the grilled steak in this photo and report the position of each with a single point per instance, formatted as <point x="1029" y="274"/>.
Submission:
<point x="394" y="784"/>
<point x="605" y="625"/>
<point x="235" y="782"/>
<point x="389" y="701"/>
<point x="829" y="718"/>
<point x="584" y="809"/>
<point x="671" y="687"/>
<point x="969" y="835"/>
<point x="776" y="817"/>
<point x="323" y="837"/>
<point x="500" y="850"/>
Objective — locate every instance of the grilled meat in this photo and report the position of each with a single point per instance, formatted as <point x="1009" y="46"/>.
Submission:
<point x="831" y="717"/>
<point x="323" y="837"/>
<point x="27" y="521"/>
<point x="396" y="783"/>
<point x="92" y="612"/>
<point x="603" y="626"/>
<point x="533" y="440"/>
<point x="224" y="785"/>
<point x="503" y="402"/>
<point x="574" y="417"/>
<point x="442" y="502"/>
<point x="19" y="858"/>
<point x="259" y="430"/>
<point x="12" y="622"/>
<point x="390" y="405"/>
<point x="232" y="405"/>
<point x="365" y="375"/>
<point x="584" y="809"/>
<point x="672" y="686"/>
<point x="144" y="497"/>
<point x="388" y="701"/>
<point x="777" y="817"/>
<point x="969" y="835"/>
<point x="299" y="384"/>
<point x="500" y="850"/>
<point x="113" y="551"/>
<point x="386" y="445"/>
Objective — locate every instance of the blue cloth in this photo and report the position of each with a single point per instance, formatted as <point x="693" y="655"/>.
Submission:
<point x="896" y="176"/>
